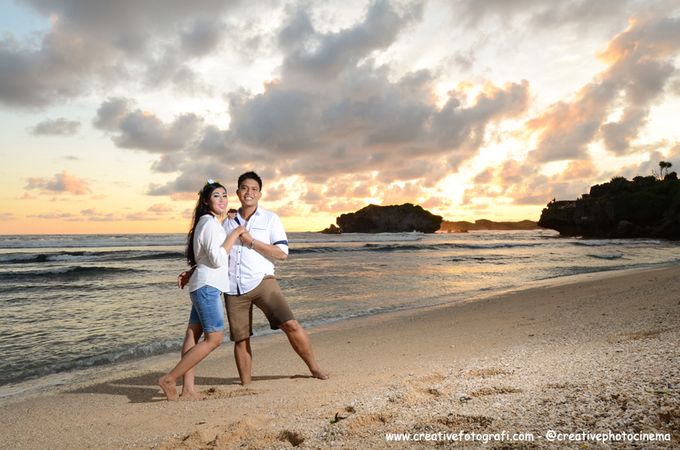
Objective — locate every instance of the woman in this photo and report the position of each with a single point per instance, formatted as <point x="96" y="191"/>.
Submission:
<point x="208" y="249"/>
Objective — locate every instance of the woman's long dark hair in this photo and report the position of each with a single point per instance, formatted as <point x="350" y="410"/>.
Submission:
<point x="201" y="209"/>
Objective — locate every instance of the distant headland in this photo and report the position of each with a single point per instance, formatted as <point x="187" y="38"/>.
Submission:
<point x="644" y="207"/>
<point x="409" y="217"/>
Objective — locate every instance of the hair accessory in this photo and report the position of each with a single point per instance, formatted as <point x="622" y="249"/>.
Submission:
<point x="210" y="181"/>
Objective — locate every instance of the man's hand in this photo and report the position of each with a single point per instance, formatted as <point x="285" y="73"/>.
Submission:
<point x="183" y="278"/>
<point x="246" y="238"/>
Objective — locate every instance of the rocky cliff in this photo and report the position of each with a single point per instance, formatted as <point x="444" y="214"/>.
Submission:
<point x="387" y="219"/>
<point x="643" y="207"/>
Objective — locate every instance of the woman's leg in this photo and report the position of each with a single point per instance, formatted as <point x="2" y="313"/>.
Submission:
<point x="208" y="310"/>
<point x="194" y="332"/>
<point x="197" y="353"/>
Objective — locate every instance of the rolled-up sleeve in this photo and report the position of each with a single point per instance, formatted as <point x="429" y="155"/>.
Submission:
<point x="277" y="234"/>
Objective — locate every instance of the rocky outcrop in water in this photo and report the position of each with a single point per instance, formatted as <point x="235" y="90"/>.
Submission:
<point x="643" y="207"/>
<point x="387" y="219"/>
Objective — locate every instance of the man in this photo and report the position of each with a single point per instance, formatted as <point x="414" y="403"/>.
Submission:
<point x="252" y="282"/>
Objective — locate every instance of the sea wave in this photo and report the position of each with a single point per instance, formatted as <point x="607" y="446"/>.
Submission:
<point x="67" y="364"/>
<point x="607" y="256"/>
<point x="374" y="247"/>
<point x="611" y="242"/>
<point x="90" y="240"/>
<point x="498" y="259"/>
<point x="88" y="256"/>
<point x="64" y="273"/>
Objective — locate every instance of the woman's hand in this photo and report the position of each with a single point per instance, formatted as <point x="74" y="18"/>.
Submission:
<point x="183" y="278"/>
<point x="235" y="234"/>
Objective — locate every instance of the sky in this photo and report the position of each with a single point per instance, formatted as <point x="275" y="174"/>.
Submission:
<point x="114" y="114"/>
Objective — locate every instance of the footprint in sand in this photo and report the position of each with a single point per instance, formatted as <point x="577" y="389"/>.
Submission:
<point x="488" y="372"/>
<point x="368" y="422"/>
<point x="495" y="390"/>
<point x="464" y="422"/>
<point x="214" y="393"/>
<point x="430" y="384"/>
<point x="292" y="437"/>
<point x="342" y="415"/>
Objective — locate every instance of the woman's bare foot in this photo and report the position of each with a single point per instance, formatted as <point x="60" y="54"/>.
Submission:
<point x="168" y="387"/>
<point x="320" y="374"/>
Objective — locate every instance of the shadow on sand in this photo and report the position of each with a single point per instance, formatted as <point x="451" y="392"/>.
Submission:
<point x="143" y="388"/>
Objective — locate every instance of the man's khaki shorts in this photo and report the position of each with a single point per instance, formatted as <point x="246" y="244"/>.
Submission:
<point x="268" y="297"/>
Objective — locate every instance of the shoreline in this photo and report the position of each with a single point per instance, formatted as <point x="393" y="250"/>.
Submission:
<point x="587" y="355"/>
<point x="57" y="382"/>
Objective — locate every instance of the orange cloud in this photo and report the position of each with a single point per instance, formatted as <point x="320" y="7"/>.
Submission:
<point x="640" y="65"/>
<point x="583" y="169"/>
<point x="62" y="182"/>
<point x="160" y="208"/>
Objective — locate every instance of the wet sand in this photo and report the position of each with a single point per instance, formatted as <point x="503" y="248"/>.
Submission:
<point x="592" y="354"/>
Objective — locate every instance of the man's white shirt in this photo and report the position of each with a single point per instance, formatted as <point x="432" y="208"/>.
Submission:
<point x="247" y="267"/>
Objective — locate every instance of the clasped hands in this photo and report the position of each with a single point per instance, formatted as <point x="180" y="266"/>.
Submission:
<point x="183" y="278"/>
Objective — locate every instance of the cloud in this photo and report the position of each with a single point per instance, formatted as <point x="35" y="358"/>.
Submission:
<point x="56" y="127"/>
<point x="136" y="129"/>
<point x="315" y="55"/>
<point x="202" y="36"/>
<point x="111" y="113"/>
<point x="368" y="123"/>
<point x="160" y="208"/>
<point x="59" y="69"/>
<point x="339" y="112"/>
<point x="60" y="183"/>
<point x="56" y="215"/>
<point x="520" y="183"/>
<point x="95" y="216"/>
<point x="142" y="217"/>
<point x="7" y="216"/>
<point x="640" y="64"/>
<point x="91" y="45"/>
<point x="582" y="170"/>
<point x="544" y="14"/>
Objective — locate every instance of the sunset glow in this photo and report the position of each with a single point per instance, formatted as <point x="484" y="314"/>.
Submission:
<point x="114" y="116"/>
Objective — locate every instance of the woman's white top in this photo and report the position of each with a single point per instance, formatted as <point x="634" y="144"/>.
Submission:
<point x="212" y="260"/>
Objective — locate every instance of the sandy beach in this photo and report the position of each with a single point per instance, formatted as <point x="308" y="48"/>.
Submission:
<point x="595" y="355"/>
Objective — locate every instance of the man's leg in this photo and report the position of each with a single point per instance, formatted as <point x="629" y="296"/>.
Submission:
<point x="244" y="361"/>
<point x="269" y="298"/>
<point x="299" y="340"/>
<point x="240" y="316"/>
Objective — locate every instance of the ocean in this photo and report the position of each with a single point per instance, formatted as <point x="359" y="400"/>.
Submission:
<point x="71" y="302"/>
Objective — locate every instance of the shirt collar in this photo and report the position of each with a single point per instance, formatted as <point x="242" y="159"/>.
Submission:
<point x="240" y="220"/>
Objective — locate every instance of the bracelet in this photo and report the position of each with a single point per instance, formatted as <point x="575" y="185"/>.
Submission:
<point x="252" y="243"/>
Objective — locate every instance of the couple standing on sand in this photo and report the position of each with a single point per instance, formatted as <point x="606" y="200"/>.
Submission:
<point x="233" y="258"/>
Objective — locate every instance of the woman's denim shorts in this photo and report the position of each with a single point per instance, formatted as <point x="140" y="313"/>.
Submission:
<point x="207" y="309"/>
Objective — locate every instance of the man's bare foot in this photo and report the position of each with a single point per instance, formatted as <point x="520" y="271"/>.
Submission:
<point x="168" y="387"/>
<point x="192" y="396"/>
<point x="320" y="374"/>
